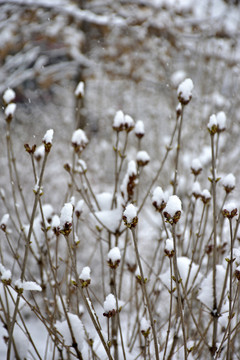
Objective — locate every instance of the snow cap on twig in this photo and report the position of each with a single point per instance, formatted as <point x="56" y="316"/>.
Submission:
<point x="47" y="140"/>
<point x="145" y="327"/>
<point x="9" y="96"/>
<point x="185" y="91"/>
<point x="79" y="92"/>
<point x="173" y="209"/>
<point x="212" y="124"/>
<point x="114" y="257"/>
<point x="85" y="277"/>
<point x="229" y="210"/>
<point x="205" y="196"/>
<point x="196" y="167"/>
<point x="139" y="129"/>
<point x="229" y="182"/>
<point x="169" y="248"/>
<point x="66" y="219"/>
<point x="130" y="216"/>
<point x="79" y="140"/>
<point x="142" y="158"/>
<point x="221" y="121"/>
<point x="9" y="111"/>
<point x="196" y="190"/>
<point x="110" y="306"/>
<point x="4" y="221"/>
<point x="159" y="199"/>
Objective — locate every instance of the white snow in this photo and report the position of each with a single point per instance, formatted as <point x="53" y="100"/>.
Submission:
<point x="39" y="152"/>
<point x="118" y="120"/>
<point x="183" y="267"/>
<point x="206" y="194"/>
<point x="4" y="220"/>
<point x="79" y="139"/>
<point x="185" y="90"/>
<point x="221" y="120"/>
<point x="55" y="221"/>
<point x="8" y="96"/>
<point x="206" y="290"/>
<point x="212" y="122"/>
<point x="27" y="285"/>
<point x="81" y="166"/>
<point x="110" y="218"/>
<point x="196" y="189"/>
<point x="85" y="274"/>
<point x="196" y="165"/>
<point x="79" y="207"/>
<point x="132" y="168"/>
<point x="110" y="303"/>
<point x="128" y="122"/>
<point x="159" y="196"/>
<point x="77" y="329"/>
<point x="79" y="92"/>
<point x="229" y="181"/>
<point x="130" y="213"/>
<point x="230" y="206"/>
<point x="48" y="137"/>
<point x="6" y="275"/>
<point x="177" y="77"/>
<point x="114" y="255"/>
<point x="139" y="128"/>
<point x="169" y="245"/>
<point x="145" y="324"/>
<point x="104" y="200"/>
<point x="66" y="214"/>
<point x="10" y="110"/>
<point x="142" y="157"/>
<point x="174" y="204"/>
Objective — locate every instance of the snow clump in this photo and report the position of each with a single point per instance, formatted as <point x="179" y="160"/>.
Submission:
<point x="85" y="277"/>
<point x="205" y="196"/>
<point x="130" y="216"/>
<point x="66" y="219"/>
<point x="212" y="124"/>
<point x="169" y="248"/>
<point x="79" y="92"/>
<point x="114" y="257"/>
<point x="4" y="221"/>
<point x="196" y="167"/>
<point x="10" y="110"/>
<point x="77" y="329"/>
<point x="6" y="275"/>
<point x="221" y="121"/>
<point x="123" y="122"/>
<point x="142" y="158"/>
<point x="172" y="211"/>
<point x="48" y="137"/>
<point x="139" y="129"/>
<point x="8" y="96"/>
<point x="229" y="182"/>
<point x="27" y="285"/>
<point x="110" y="306"/>
<point x="145" y="327"/>
<point x="196" y="190"/>
<point x="159" y="199"/>
<point x="229" y="210"/>
<point x="79" y="140"/>
<point x="185" y="91"/>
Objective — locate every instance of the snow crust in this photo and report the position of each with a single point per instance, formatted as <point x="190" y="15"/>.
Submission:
<point x="174" y="204"/>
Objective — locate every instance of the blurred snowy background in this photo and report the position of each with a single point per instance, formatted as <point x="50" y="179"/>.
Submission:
<point x="131" y="55"/>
